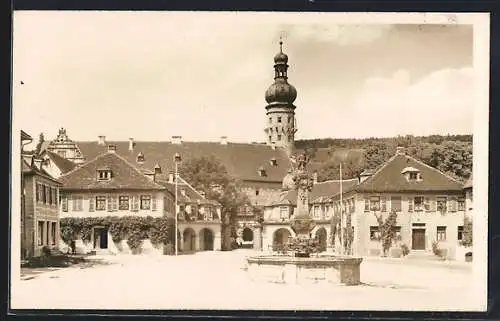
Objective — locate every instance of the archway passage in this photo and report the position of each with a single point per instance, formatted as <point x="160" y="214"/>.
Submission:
<point x="321" y="235"/>
<point x="189" y="240"/>
<point x="207" y="240"/>
<point x="247" y="235"/>
<point x="280" y="238"/>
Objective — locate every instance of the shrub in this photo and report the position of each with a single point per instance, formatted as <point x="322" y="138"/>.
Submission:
<point x="405" y="250"/>
<point x="435" y="248"/>
<point x="467" y="235"/>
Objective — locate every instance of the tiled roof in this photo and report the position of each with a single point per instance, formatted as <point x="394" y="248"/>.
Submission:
<point x="241" y="160"/>
<point x="321" y="192"/>
<point x="124" y="175"/>
<point x="388" y="178"/>
<point x="28" y="169"/>
<point x="468" y="184"/>
<point x="185" y="192"/>
<point x="63" y="164"/>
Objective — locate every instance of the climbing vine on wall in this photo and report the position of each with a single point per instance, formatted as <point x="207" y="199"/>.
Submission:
<point x="134" y="229"/>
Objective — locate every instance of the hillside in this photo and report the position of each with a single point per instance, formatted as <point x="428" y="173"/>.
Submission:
<point x="451" y="154"/>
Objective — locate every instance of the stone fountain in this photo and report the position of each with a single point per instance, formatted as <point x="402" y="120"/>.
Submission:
<point x="298" y="266"/>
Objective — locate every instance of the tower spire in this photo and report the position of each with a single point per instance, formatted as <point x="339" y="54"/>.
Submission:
<point x="281" y="44"/>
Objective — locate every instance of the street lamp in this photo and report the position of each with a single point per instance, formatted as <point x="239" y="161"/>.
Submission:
<point x="177" y="160"/>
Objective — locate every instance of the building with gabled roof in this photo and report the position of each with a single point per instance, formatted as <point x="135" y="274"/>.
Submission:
<point x="39" y="206"/>
<point x="430" y="206"/>
<point x="110" y="185"/>
<point x="56" y="165"/>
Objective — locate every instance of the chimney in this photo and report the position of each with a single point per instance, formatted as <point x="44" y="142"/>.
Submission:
<point x="111" y="148"/>
<point x="365" y="174"/>
<point x="102" y="140"/>
<point x="157" y="169"/>
<point x="176" y="140"/>
<point x="273" y="145"/>
<point x="223" y="140"/>
<point x="202" y="193"/>
<point x="131" y="144"/>
<point x="171" y="177"/>
<point x="315" y="177"/>
<point x="400" y="150"/>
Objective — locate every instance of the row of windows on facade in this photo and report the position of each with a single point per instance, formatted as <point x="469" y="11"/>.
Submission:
<point x="47" y="231"/>
<point x="279" y="137"/>
<point x="375" y="234"/>
<point x="279" y="119"/>
<point x="195" y="215"/>
<point x="416" y="204"/>
<point x="46" y="194"/>
<point x="111" y="203"/>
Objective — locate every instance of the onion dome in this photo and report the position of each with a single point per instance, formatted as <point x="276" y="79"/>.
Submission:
<point x="281" y="92"/>
<point x="280" y="58"/>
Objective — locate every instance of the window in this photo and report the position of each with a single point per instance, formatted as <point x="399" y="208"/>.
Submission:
<point x="279" y="119"/>
<point x="461" y="204"/>
<point x="396" y="203"/>
<point x="104" y="175"/>
<point x="441" y="233"/>
<point x="397" y="232"/>
<point x="375" y="203"/>
<point x="283" y="212"/>
<point x="418" y="203"/>
<point x="208" y="213"/>
<point x="49" y="195"/>
<point x="413" y="175"/>
<point x="367" y="204"/>
<point x="53" y="232"/>
<point x="123" y="203"/>
<point x="257" y="192"/>
<point x="441" y="204"/>
<point x="270" y="138"/>
<point x="44" y="193"/>
<point x="316" y="211"/>
<point x="153" y="203"/>
<point x="100" y="203"/>
<point x="37" y="193"/>
<point x="54" y="196"/>
<point x="279" y="137"/>
<point x="64" y="203"/>
<point x="374" y="233"/>
<point x="145" y="202"/>
<point x="40" y="232"/>
<point x="77" y="201"/>
<point x="270" y="120"/>
<point x="460" y="233"/>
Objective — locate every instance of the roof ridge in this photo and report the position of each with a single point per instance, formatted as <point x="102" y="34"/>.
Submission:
<point x="185" y="182"/>
<point x="84" y="165"/>
<point x="336" y="180"/>
<point x="135" y="168"/>
<point x="434" y="169"/>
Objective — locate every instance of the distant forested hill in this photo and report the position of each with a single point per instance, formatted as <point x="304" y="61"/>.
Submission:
<point x="451" y="154"/>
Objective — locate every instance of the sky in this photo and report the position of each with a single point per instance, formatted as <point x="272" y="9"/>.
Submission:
<point x="153" y="75"/>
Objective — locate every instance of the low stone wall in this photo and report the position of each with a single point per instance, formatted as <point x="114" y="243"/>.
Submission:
<point x="290" y="270"/>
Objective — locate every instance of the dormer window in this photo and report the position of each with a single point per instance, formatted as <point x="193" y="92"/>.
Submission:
<point x="262" y="171"/>
<point x="104" y="174"/>
<point x="412" y="174"/>
<point x="140" y="158"/>
<point x="274" y="162"/>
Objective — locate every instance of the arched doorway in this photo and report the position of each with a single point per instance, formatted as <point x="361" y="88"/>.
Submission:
<point x="280" y="238"/>
<point x="321" y="235"/>
<point x="207" y="240"/>
<point x="247" y="236"/>
<point x="189" y="240"/>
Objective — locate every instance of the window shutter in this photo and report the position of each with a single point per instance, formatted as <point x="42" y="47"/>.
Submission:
<point x="153" y="202"/>
<point x="367" y="205"/>
<point x="410" y="204"/>
<point x="453" y="205"/>
<point x="91" y="203"/>
<point x="64" y="204"/>
<point x="383" y="204"/>
<point x="135" y="203"/>
<point x="433" y="205"/>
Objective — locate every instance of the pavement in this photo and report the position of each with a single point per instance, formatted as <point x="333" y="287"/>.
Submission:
<point x="218" y="280"/>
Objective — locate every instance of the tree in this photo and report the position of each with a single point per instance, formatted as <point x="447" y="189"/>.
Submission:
<point x="38" y="148"/>
<point x="378" y="153"/>
<point x="209" y="175"/>
<point x="351" y="168"/>
<point x="386" y="229"/>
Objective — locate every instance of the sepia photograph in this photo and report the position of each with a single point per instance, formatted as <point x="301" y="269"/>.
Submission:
<point x="249" y="161"/>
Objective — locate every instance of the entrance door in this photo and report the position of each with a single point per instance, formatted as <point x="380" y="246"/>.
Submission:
<point x="418" y="239"/>
<point x="100" y="238"/>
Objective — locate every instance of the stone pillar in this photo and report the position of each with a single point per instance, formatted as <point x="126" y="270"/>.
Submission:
<point x="257" y="239"/>
<point x="45" y="233"/>
<point x="217" y="241"/>
<point x="58" y="233"/>
<point x="180" y="242"/>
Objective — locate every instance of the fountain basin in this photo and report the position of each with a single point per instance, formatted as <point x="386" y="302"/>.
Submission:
<point x="296" y="270"/>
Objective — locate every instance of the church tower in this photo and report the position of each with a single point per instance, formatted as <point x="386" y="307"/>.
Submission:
<point x="280" y="111"/>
